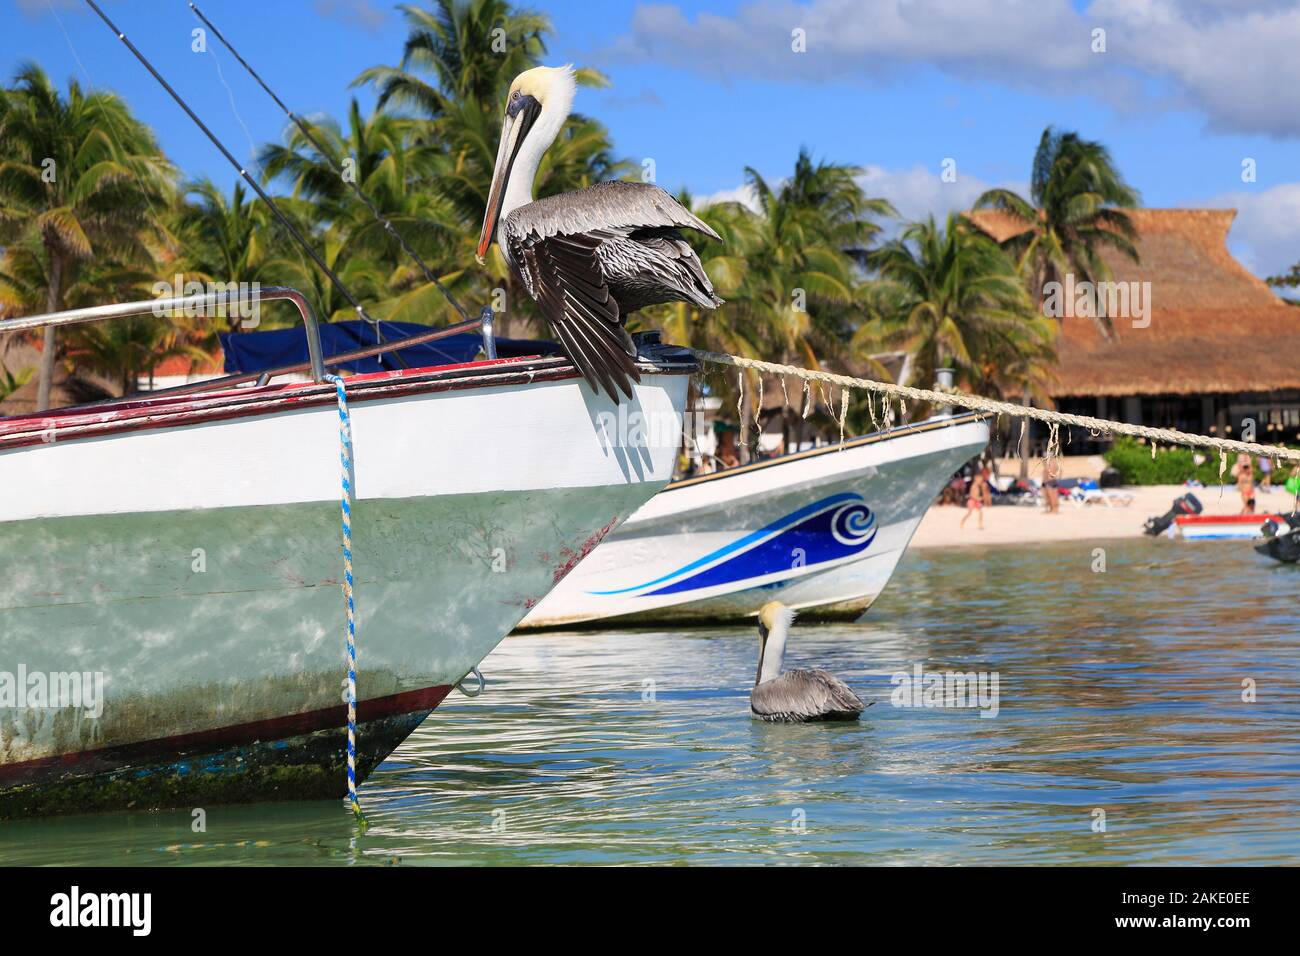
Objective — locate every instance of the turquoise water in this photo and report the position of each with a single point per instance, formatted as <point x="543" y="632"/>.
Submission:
<point x="1119" y="692"/>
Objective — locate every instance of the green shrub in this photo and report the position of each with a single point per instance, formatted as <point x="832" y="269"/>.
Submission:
<point x="1173" y="466"/>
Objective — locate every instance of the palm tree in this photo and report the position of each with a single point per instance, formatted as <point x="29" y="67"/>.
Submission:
<point x="470" y="67"/>
<point x="953" y="299"/>
<point x="10" y="383"/>
<point x="389" y="164"/>
<point x="805" y="281"/>
<point x="363" y="273"/>
<point x="471" y="48"/>
<point x="726" y="329"/>
<point x="791" y="273"/>
<point x="1073" y="213"/>
<point x="127" y="349"/>
<point x="804" y="277"/>
<point x="83" y="177"/>
<point x="222" y="238"/>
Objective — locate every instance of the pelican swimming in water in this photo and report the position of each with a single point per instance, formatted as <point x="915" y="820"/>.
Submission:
<point x="796" y="696"/>
<point x="592" y="256"/>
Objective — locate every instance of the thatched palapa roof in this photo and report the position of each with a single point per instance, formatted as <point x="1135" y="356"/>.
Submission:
<point x="1214" y="327"/>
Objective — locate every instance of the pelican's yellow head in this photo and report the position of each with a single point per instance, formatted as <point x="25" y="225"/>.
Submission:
<point x="536" y="107"/>
<point x="772" y="614"/>
<point x="551" y="86"/>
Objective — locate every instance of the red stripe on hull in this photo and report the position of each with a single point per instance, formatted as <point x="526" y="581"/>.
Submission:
<point x="207" y="741"/>
<point x="1227" y="519"/>
<point x="77" y="423"/>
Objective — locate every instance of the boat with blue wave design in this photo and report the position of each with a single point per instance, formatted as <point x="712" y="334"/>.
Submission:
<point x="819" y="530"/>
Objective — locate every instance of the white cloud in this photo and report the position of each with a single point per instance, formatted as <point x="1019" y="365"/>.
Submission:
<point x="743" y="194"/>
<point x="871" y="37"/>
<point x="920" y="192"/>
<point x="1265" y="235"/>
<point x="34" y="8"/>
<point x="1240" y="67"/>
<point x="646" y="99"/>
<point x="916" y="193"/>
<point x="1236" y="63"/>
<point x="362" y="13"/>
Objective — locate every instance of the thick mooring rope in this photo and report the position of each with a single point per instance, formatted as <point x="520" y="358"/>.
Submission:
<point x="345" y="505"/>
<point x="1166" y="436"/>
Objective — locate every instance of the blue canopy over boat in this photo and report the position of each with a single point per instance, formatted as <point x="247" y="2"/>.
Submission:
<point x="259" y="351"/>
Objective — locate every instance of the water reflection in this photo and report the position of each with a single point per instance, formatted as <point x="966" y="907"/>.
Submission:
<point x="1120" y="692"/>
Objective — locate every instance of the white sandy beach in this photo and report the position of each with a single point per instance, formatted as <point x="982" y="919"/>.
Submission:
<point x="1031" y="525"/>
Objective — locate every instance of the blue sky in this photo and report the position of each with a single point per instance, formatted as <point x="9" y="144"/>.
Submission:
<point x="1185" y="91"/>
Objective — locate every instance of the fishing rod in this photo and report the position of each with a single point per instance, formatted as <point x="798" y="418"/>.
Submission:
<point x="335" y="165"/>
<point x="271" y="204"/>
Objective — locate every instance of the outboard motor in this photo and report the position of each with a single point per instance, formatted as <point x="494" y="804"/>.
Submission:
<point x="1187" y="504"/>
<point x="1281" y="544"/>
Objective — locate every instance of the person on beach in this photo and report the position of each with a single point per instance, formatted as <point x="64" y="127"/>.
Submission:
<point x="1265" y="473"/>
<point x="975" y="499"/>
<point x="1244" y="472"/>
<point x="954" y="493"/>
<point x="728" y="454"/>
<point x="1051" y="485"/>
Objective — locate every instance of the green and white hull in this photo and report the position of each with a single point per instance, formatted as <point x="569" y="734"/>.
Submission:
<point x="184" y="557"/>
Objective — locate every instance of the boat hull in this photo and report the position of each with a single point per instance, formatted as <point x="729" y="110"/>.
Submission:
<point x="1283" y="547"/>
<point x="821" y="531"/>
<point x="218" y="631"/>
<point x="1209" y="527"/>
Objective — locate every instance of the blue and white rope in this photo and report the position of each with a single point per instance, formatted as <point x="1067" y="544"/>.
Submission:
<point x="345" y="503"/>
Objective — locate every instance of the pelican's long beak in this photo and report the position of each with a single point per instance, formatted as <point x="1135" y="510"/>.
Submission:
<point x="520" y="116"/>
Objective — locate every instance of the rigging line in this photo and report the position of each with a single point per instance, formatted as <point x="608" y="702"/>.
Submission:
<point x="337" y="167"/>
<point x="271" y="204"/>
<point x="112" y="128"/>
<point x="230" y="95"/>
<point x="977" y="403"/>
<point x="117" y="140"/>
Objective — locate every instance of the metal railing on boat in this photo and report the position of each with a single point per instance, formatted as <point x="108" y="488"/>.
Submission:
<point x="216" y="302"/>
<point x="203" y="304"/>
<point x="483" y="325"/>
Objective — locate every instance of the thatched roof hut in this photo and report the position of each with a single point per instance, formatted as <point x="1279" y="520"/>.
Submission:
<point x="1214" y="327"/>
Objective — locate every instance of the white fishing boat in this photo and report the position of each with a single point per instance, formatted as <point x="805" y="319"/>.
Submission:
<point x="177" y="558"/>
<point x="819" y="530"/>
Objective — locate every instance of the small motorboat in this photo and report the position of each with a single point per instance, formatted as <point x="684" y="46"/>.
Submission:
<point x="180" y="551"/>
<point x="1185" y="519"/>
<point x="1201" y="527"/>
<point x="1281" y="539"/>
<point x="819" y="530"/>
<point x="1183" y="506"/>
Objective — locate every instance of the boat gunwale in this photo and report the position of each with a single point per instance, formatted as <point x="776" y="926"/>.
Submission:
<point x="872" y="438"/>
<point x="137" y="414"/>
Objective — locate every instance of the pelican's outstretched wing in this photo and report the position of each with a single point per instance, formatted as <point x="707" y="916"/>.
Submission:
<point x="564" y="275"/>
<point x="610" y="207"/>
<point x="801" y="695"/>
<point x="584" y="254"/>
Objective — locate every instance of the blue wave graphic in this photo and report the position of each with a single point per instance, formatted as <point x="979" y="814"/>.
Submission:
<point x="827" y="530"/>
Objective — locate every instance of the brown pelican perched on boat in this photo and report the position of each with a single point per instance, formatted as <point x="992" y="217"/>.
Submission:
<point x="592" y="256"/>
<point x="797" y="696"/>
